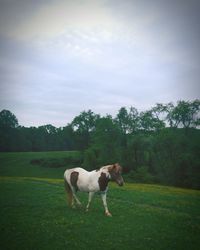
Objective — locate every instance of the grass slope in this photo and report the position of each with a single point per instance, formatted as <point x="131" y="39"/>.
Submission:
<point x="34" y="213"/>
<point x="18" y="164"/>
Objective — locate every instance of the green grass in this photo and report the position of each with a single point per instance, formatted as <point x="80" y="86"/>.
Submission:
<point x="34" y="213"/>
<point x="18" y="164"/>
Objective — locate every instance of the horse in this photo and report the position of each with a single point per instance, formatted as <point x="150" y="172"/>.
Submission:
<point x="78" y="179"/>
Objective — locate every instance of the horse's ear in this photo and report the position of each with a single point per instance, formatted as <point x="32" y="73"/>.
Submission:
<point x="115" y="165"/>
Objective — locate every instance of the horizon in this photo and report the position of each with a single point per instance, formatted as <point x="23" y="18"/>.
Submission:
<point x="102" y="116"/>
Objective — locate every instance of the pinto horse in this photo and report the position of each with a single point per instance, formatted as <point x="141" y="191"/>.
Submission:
<point x="78" y="179"/>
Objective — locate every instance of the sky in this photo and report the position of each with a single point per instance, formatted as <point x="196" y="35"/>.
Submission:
<point x="60" y="57"/>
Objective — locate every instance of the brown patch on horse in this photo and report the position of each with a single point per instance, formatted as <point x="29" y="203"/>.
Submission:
<point x="103" y="182"/>
<point x="74" y="179"/>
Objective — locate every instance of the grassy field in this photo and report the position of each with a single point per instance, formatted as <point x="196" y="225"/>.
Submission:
<point x="34" y="212"/>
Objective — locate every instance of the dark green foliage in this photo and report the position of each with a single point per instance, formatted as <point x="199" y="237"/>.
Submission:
<point x="7" y="119"/>
<point x="150" y="123"/>
<point x="105" y="146"/>
<point x="58" y="163"/>
<point x="164" y="139"/>
<point x="83" y="126"/>
<point x="178" y="157"/>
<point x="141" y="175"/>
<point x="106" y="141"/>
<point x="128" y="121"/>
<point x="90" y="159"/>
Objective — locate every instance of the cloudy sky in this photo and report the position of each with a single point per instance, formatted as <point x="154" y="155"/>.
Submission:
<point x="60" y="57"/>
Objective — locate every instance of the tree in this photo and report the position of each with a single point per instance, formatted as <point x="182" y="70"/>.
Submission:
<point x="148" y="122"/>
<point x="85" y="122"/>
<point x="169" y="115"/>
<point x="48" y="137"/>
<point x="7" y="119"/>
<point x="84" y="125"/>
<point x="66" y="138"/>
<point x="186" y="113"/>
<point x="122" y="119"/>
<point x="196" y="113"/>
<point x="106" y="141"/>
<point x="159" y="110"/>
<point x="176" y="157"/>
<point x="139" y="151"/>
<point x="128" y="122"/>
<point x="134" y="120"/>
<point x="8" y="132"/>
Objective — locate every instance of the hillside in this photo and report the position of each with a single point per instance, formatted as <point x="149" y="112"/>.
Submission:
<point x="34" y="213"/>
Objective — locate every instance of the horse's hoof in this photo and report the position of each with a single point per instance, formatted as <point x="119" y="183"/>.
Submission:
<point x="108" y="214"/>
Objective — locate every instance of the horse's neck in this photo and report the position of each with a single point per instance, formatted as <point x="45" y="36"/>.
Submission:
<point x="104" y="170"/>
<point x="98" y="172"/>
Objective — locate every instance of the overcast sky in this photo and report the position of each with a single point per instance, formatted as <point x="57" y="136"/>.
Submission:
<point x="60" y="57"/>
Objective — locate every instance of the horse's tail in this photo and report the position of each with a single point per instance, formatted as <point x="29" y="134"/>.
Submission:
<point x="69" y="192"/>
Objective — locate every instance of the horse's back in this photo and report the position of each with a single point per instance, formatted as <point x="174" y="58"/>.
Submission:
<point x="85" y="179"/>
<point x="80" y="171"/>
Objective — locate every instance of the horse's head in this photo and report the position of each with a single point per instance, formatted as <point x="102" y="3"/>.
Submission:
<point x="115" y="171"/>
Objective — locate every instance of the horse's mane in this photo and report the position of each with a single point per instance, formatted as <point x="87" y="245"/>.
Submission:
<point x="106" y="167"/>
<point x="103" y="167"/>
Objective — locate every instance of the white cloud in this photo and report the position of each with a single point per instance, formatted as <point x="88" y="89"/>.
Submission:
<point x="60" y="58"/>
<point x="53" y="19"/>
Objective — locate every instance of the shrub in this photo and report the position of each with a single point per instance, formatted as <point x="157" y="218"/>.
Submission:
<point x="57" y="163"/>
<point x="141" y="175"/>
<point x="90" y="159"/>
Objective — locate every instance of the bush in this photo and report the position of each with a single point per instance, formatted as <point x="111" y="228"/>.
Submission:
<point x="58" y="163"/>
<point x="90" y="159"/>
<point x="141" y="175"/>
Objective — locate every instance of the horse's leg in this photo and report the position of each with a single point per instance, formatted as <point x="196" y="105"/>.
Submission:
<point x="91" y="194"/>
<point x="73" y="203"/>
<point x="103" y="196"/>
<point x="75" y="197"/>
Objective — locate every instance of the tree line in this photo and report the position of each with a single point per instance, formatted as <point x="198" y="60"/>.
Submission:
<point x="157" y="145"/>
